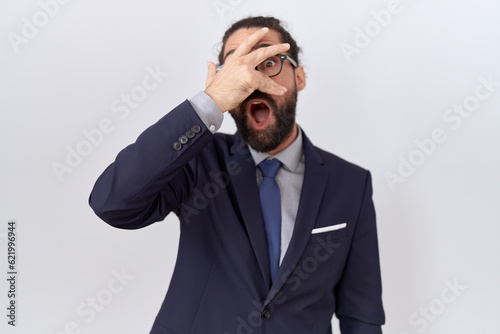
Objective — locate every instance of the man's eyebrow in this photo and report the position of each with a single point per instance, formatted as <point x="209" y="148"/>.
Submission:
<point x="230" y="52"/>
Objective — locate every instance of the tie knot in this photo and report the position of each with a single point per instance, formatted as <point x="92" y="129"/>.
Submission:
<point x="269" y="168"/>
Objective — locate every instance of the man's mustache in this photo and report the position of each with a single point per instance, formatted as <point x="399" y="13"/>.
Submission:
<point x="262" y="96"/>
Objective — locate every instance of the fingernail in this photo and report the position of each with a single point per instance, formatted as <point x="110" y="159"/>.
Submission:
<point x="284" y="90"/>
<point x="265" y="28"/>
<point x="208" y="64"/>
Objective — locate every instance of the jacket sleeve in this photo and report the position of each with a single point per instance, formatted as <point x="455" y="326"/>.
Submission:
<point x="152" y="177"/>
<point x="359" y="292"/>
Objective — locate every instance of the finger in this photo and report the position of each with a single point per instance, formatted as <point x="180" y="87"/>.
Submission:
<point x="269" y="86"/>
<point x="258" y="56"/>
<point x="247" y="45"/>
<point x="212" y="71"/>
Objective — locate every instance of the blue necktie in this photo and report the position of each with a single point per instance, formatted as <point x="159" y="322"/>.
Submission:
<point x="270" y="201"/>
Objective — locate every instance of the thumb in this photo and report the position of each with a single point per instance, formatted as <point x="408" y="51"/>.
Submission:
<point x="212" y="71"/>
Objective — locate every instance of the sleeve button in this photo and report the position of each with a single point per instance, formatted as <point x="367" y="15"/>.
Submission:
<point x="196" y="128"/>
<point x="183" y="139"/>
<point x="177" y="146"/>
<point x="190" y="133"/>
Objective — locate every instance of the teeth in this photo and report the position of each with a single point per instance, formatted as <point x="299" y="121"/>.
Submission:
<point x="256" y="102"/>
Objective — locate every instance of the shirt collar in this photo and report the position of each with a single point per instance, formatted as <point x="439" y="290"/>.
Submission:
<point x="289" y="157"/>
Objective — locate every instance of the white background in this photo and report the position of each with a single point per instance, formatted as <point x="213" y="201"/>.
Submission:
<point x="440" y="225"/>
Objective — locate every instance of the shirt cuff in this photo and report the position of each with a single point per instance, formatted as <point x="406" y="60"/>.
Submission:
<point x="208" y="111"/>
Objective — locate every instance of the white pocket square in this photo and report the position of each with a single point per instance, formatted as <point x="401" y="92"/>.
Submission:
<point x="328" y="228"/>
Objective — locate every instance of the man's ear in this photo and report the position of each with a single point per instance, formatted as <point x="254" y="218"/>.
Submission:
<point x="300" y="78"/>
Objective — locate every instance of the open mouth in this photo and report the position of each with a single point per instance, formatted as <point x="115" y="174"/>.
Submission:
<point x="260" y="113"/>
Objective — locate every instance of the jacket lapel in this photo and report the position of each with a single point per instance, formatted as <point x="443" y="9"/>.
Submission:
<point x="315" y="177"/>
<point x="247" y="195"/>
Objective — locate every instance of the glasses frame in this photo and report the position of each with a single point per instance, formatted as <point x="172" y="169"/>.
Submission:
<point x="282" y="58"/>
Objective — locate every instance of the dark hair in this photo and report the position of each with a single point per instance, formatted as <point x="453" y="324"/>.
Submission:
<point x="261" y="22"/>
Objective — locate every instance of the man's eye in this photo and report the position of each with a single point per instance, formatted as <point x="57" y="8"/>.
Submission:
<point x="269" y="63"/>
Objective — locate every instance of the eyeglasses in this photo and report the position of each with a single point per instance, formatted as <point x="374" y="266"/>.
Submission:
<point x="272" y="66"/>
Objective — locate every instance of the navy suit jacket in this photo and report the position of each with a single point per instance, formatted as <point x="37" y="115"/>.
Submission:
<point x="221" y="283"/>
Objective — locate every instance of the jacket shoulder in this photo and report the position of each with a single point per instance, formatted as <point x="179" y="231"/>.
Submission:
<point x="331" y="159"/>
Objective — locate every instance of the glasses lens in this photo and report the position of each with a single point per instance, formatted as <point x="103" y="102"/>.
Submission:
<point x="271" y="66"/>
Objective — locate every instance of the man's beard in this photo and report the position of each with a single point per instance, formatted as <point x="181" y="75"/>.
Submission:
<point x="270" y="138"/>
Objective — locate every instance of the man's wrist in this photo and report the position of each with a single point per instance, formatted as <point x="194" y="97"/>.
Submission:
<point x="208" y="111"/>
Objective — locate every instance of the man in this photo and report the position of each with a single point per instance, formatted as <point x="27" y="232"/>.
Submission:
<point x="258" y="253"/>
